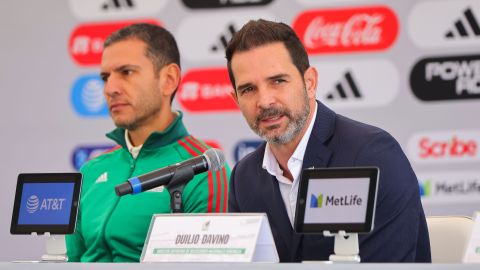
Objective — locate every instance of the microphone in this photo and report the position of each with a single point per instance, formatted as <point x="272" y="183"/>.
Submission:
<point x="212" y="159"/>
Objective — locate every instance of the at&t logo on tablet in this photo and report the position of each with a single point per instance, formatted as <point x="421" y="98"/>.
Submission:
<point x="54" y="204"/>
<point x="32" y="204"/>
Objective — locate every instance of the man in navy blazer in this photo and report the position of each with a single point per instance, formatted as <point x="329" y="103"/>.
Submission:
<point x="275" y="89"/>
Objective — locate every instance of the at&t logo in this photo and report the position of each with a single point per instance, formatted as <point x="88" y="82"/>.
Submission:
<point x="32" y="204"/>
<point x="87" y="97"/>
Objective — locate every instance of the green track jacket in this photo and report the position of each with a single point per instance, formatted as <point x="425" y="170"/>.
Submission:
<point x="113" y="229"/>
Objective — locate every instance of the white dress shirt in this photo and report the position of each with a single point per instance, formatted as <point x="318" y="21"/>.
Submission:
<point x="288" y="189"/>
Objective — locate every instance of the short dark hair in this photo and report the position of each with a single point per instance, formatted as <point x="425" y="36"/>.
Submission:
<point x="161" y="49"/>
<point x="262" y="32"/>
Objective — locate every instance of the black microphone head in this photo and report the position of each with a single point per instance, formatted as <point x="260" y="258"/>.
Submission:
<point x="215" y="159"/>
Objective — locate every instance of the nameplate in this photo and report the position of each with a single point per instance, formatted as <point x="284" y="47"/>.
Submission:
<point x="472" y="253"/>
<point x="241" y="237"/>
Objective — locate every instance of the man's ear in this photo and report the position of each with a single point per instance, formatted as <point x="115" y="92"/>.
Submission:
<point x="169" y="79"/>
<point x="310" y="78"/>
<point x="233" y="93"/>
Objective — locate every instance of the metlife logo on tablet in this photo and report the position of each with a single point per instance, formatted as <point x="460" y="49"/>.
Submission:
<point x="337" y="200"/>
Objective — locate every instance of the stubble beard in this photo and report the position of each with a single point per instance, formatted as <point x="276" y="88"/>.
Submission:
<point x="294" y="127"/>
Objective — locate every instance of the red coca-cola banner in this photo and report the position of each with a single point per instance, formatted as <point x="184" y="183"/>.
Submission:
<point x="86" y="41"/>
<point x="206" y="90"/>
<point x="347" y="30"/>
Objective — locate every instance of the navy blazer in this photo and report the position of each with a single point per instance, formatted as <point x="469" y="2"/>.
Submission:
<point x="400" y="231"/>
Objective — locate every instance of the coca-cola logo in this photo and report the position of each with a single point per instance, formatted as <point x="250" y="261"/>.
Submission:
<point x="85" y="44"/>
<point x="445" y="146"/>
<point x="347" y="30"/>
<point x="204" y="90"/>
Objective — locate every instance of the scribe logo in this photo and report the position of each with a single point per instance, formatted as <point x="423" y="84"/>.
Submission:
<point x="82" y="154"/>
<point x="446" y="78"/>
<point x="32" y="204"/>
<point x="224" y="3"/>
<point x="316" y="201"/>
<point x="360" y="29"/>
<point x="445" y="146"/>
<point x="85" y="44"/>
<point x="87" y="97"/>
<point x="206" y="90"/>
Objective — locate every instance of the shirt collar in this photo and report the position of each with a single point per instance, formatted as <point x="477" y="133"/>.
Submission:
<point x="270" y="163"/>
<point x="134" y="150"/>
<point x="174" y="132"/>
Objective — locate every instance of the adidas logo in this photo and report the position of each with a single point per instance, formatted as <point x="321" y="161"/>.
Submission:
<point x="117" y="4"/>
<point x="465" y="26"/>
<point x="224" y="39"/>
<point x="345" y="89"/>
<point x="102" y="178"/>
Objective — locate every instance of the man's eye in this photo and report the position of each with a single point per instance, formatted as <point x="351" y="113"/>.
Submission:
<point x="245" y="90"/>
<point x="127" y="72"/>
<point x="104" y="78"/>
<point x="279" y="81"/>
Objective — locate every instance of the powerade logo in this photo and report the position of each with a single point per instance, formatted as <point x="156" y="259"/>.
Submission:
<point x="82" y="154"/>
<point x="206" y="90"/>
<point x="346" y="200"/>
<point x="360" y="29"/>
<point x="446" y="78"/>
<point x="244" y="148"/>
<point x="32" y="204"/>
<point x="316" y="201"/>
<point x="425" y="188"/>
<point x="87" y="97"/>
<point x="224" y="3"/>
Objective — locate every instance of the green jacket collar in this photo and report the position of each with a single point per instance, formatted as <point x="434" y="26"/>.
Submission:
<point x="174" y="132"/>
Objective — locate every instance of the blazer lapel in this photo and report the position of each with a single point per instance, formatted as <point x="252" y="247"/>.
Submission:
<point x="317" y="155"/>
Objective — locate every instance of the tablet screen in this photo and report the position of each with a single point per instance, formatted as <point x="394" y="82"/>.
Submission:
<point x="336" y="199"/>
<point x="46" y="203"/>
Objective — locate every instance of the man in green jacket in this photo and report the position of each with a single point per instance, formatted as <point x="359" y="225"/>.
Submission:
<point x="141" y="70"/>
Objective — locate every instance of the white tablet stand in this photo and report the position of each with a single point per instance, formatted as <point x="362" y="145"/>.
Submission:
<point x="345" y="247"/>
<point x="56" y="248"/>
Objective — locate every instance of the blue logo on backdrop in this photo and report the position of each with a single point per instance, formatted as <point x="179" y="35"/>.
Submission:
<point x="244" y="148"/>
<point x="46" y="203"/>
<point x="82" y="154"/>
<point x="87" y="97"/>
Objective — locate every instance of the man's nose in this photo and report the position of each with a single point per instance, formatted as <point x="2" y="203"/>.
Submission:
<point x="111" y="87"/>
<point x="266" y="97"/>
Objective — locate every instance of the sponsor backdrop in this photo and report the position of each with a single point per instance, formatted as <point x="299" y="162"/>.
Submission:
<point x="394" y="64"/>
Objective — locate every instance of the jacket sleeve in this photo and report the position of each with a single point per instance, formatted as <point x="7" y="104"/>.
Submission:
<point x="75" y="243"/>
<point x="399" y="225"/>
<point x="232" y="199"/>
<point x="208" y="192"/>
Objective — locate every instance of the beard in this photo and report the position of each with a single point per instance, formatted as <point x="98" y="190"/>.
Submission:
<point x="296" y="122"/>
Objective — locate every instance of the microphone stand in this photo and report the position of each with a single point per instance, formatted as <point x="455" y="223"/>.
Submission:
<point x="182" y="175"/>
